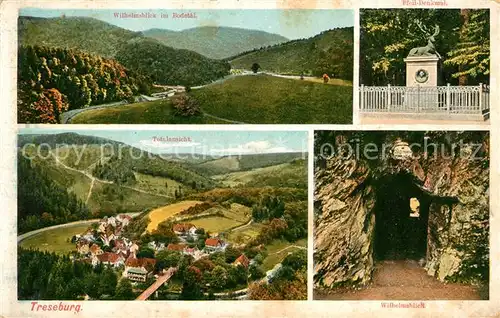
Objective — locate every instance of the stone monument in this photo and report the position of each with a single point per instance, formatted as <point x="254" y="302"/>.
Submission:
<point x="422" y="63"/>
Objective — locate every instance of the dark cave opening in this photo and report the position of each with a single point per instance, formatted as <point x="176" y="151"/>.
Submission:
<point x="400" y="229"/>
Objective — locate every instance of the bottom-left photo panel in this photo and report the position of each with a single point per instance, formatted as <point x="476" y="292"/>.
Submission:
<point x="114" y="214"/>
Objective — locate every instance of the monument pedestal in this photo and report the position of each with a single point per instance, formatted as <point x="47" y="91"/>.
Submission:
<point x="422" y="71"/>
<point x="422" y="77"/>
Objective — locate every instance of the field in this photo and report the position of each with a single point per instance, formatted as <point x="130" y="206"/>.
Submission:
<point x="215" y="224"/>
<point x="245" y="234"/>
<point x="239" y="213"/>
<point x="109" y="197"/>
<point x="161" y="214"/>
<point x="221" y="165"/>
<point x="264" y="99"/>
<point x="253" y="99"/>
<point x="283" y="175"/>
<point x="278" y="250"/>
<point x="156" y="112"/>
<point x="156" y="184"/>
<point x="54" y="240"/>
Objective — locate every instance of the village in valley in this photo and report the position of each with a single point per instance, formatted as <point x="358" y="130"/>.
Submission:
<point x="104" y="243"/>
<point x="112" y="227"/>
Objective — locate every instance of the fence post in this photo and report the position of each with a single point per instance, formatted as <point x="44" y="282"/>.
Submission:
<point x="361" y="98"/>
<point x="448" y="97"/>
<point x="418" y="98"/>
<point x="388" y="97"/>
<point x="480" y="98"/>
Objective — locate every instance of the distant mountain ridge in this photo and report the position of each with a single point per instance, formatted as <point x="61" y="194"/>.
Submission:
<point x="214" y="41"/>
<point x="163" y="64"/>
<point x="69" y="138"/>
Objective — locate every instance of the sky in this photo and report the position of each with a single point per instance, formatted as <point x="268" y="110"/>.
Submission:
<point x="292" y="24"/>
<point x="221" y="143"/>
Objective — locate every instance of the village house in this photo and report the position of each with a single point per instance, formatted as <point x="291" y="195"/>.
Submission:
<point x="214" y="245"/>
<point x="109" y="259"/>
<point x="139" y="269"/>
<point x="95" y="250"/>
<point x="271" y="273"/>
<point x="83" y="246"/>
<point x="176" y="247"/>
<point x="184" y="229"/>
<point x="133" y="248"/>
<point x="242" y="260"/>
<point x="194" y="252"/>
<point x="124" y="219"/>
<point x="156" y="246"/>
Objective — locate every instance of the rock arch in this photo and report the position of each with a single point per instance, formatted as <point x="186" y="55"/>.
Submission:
<point x="454" y="199"/>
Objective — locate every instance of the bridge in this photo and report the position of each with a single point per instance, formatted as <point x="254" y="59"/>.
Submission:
<point x="159" y="282"/>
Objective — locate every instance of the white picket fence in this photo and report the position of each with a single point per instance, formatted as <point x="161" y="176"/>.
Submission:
<point x="438" y="99"/>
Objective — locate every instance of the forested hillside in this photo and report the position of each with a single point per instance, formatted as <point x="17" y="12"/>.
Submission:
<point x="119" y="169"/>
<point x="135" y="51"/>
<point x="42" y="202"/>
<point x="167" y="65"/>
<point x="69" y="138"/>
<point x="387" y="36"/>
<point x="329" y="52"/>
<point x="54" y="80"/>
<point x="88" y="34"/>
<point x="215" y="42"/>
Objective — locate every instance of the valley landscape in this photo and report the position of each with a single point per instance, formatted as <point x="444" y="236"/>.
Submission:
<point x="110" y="215"/>
<point x="75" y="67"/>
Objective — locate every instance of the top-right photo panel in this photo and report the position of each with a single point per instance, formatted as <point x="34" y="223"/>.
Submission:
<point x="424" y="66"/>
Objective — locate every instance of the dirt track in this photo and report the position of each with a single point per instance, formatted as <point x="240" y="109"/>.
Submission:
<point x="403" y="280"/>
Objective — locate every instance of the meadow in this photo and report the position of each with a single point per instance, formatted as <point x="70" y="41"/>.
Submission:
<point x="56" y="240"/>
<point x="265" y="99"/>
<point x="278" y="250"/>
<point x="253" y="99"/>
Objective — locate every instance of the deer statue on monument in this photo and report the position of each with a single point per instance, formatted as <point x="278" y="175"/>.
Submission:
<point x="429" y="49"/>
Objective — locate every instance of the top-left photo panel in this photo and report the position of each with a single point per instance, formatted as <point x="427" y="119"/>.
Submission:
<point x="109" y="66"/>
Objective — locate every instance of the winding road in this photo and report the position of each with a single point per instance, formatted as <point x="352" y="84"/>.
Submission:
<point x="26" y="235"/>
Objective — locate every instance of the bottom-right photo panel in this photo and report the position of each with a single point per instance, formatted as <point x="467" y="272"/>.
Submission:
<point x="401" y="215"/>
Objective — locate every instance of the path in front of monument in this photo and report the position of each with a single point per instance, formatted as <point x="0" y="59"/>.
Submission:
<point x="403" y="280"/>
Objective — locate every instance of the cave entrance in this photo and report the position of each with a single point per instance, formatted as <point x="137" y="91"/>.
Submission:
<point x="401" y="218"/>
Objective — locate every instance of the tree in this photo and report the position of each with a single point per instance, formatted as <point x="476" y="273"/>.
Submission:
<point x="107" y="282"/>
<point x="472" y="53"/>
<point x="297" y="260"/>
<point x="256" y="272"/>
<point x="146" y="252"/>
<point x="191" y="288"/>
<point x="255" y="67"/>
<point x="232" y="254"/>
<point x="124" y="290"/>
<point x="387" y="36"/>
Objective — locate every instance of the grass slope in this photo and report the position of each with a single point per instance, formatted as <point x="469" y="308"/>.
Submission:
<point x="330" y="52"/>
<point x="215" y="223"/>
<point x="278" y="250"/>
<point x="157" y="112"/>
<point x="263" y="99"/>
<point x="215" y="42"/>
<point x="283" y="175"/>
<point x="55" y="240"/>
